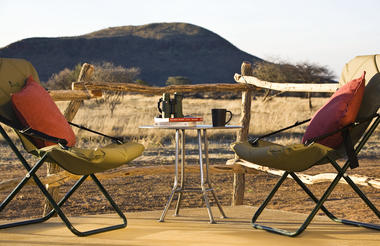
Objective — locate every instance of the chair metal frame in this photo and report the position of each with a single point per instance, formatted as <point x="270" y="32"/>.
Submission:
<point x="31" y="173"/>
<point x="341" y="173"/>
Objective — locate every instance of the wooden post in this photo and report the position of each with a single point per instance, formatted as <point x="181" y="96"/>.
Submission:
<point x="242" y="135"/>
<point x="70" y="112"/>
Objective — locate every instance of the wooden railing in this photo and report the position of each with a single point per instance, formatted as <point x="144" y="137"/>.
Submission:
<point x="246" y="84"/>
<point x="71" y="95"/>
<point x="83" y="89"/>
<point x="289" y="87"/>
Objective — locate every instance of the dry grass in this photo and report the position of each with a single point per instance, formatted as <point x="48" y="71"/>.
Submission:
<point x="149" y="192"/>
<point x="137" y="110"/>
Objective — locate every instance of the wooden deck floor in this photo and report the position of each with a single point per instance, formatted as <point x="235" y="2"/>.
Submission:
<point x="191" y="228"/>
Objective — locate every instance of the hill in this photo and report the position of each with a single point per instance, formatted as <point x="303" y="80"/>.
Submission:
<point x="160" y="50"/>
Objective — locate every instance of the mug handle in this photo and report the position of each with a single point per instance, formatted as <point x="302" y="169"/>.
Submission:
<point x="230" y="116"/>
<point x="158" y="105"/>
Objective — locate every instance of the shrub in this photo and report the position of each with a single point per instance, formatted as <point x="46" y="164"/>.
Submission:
<point x="141" y="82"/>
<point x="178" y="80"/>
<point x="108" y="72"/>
<point x="63" y="79"/>
<point x="104" y="72"/>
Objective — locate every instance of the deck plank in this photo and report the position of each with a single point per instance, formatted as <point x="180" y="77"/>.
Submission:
<point x="191" y="228"/>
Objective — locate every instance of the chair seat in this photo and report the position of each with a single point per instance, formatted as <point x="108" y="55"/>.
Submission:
<point x="87" y="161"/>
<point x="294" y="158"/>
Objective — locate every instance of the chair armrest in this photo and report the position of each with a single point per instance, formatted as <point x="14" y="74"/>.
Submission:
<point x="254" y="141"/>
<point x="114" y="139"/>
<point x="32" y="132"/>
<point x="35" y="133"/>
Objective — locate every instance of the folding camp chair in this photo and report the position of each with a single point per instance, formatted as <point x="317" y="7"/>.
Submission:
<point x="300" y="157"/>
<point x="84" y="162"/>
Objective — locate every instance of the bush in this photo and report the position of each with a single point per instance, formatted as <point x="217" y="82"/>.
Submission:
<point x="104" y="72"/>
<point x="63" y="79"/>
<point x="107" y="72"/>
<point x="141" y="82"/>
<point x="178" y="80"/>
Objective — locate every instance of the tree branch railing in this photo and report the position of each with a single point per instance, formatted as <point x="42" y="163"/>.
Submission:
<point x="286" y="87"/>
<point x="246" y="84"/>
<point x="70" y="95"/>
<point x="153" y="90"/>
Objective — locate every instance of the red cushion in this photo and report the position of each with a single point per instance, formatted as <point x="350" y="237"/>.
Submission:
<point x="340" y="110"/>
<point x="36" y="109"/>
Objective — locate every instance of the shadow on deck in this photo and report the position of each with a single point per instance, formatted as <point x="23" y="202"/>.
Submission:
<point x="192" y="228"/>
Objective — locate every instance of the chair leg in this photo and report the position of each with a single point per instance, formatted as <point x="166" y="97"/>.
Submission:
<point x="264" y="204"/>
<point x="57" y="209"/>
<point x="112" y="202"/>
<point x="319" y="203"/>
<point x="30" y="174"/>
<point x="312" y="196"/>
<point x="278" y="230"/>
<point x="56" y="206"/>
<point x="307" y="220"/>
<point x="362" y="196"/>
<point x="269" y="198"/>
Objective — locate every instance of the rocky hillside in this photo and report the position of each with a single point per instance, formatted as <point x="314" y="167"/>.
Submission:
<point x="160" y="50"/>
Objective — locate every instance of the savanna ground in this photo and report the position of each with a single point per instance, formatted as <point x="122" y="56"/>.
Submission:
<point x="150" y="192"/>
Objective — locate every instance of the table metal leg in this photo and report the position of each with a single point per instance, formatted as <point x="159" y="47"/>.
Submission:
<point x="179" y="182"/>
<point x="175" y="185"/>
<point x="208" y="181"/>
<point x="204" y="190"/>
<point x="182" y="172"/>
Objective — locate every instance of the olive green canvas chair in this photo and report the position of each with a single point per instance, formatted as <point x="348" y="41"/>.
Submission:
<point x="84" y="162"/>
<point x="299" y="157"/>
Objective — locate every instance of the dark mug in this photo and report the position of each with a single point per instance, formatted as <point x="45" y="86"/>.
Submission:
<point x="219" y="116"/>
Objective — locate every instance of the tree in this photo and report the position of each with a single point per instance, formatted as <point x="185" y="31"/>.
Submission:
<point x="311" y="73"/>
<point x="303" y="72"/>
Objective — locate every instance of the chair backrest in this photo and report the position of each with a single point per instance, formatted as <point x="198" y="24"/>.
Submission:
<point x="369" y="106"/>
<point x="13" y="74"/>
<point x="371" y="99"/>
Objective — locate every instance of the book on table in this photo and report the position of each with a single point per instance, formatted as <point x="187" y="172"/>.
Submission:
<point x="184" y="121"/>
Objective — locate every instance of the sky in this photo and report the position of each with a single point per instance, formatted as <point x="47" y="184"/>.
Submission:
<point x="323" y="32"/>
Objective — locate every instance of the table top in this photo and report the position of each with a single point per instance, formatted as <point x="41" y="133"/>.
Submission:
<point x="196" y="127"/>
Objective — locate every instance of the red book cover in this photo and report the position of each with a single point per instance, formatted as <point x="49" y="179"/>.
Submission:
<point x="184" y="119"/>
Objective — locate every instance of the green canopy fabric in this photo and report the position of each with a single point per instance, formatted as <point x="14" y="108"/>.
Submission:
<point x="13" y="75"/>
<point x="355" y="67"/>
